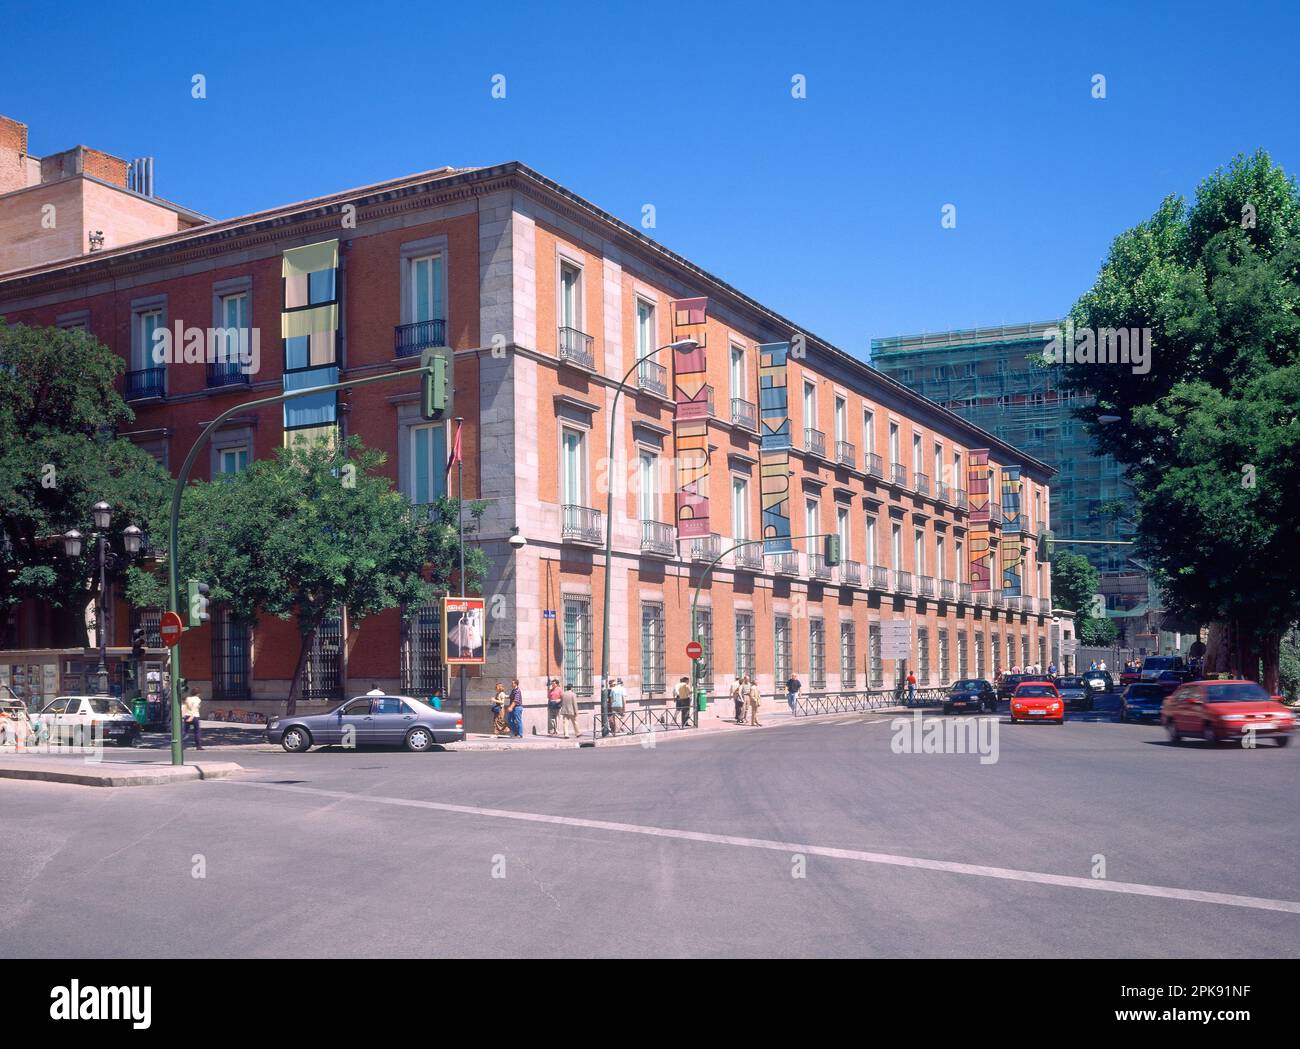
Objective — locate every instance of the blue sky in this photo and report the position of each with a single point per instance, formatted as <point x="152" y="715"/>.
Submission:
<point x="826" y="208"/>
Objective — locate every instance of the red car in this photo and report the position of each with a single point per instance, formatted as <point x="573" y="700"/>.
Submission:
<point x="1219" y="710"/>
<point x="1037" y="701"/>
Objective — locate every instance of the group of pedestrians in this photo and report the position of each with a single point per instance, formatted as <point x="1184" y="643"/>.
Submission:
<point x="746" y="696"/>
<point x="561" y="706"/>
<point x="508" y="711"/>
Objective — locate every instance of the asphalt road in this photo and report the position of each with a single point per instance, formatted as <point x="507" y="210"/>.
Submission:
<point x="691" y="847"/>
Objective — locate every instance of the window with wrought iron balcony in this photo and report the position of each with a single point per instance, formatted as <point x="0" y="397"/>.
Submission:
<point x="903" y="581"/>
<point x="577" y="347"/>
<point x="658" y="538"/>
<point x="786" y="563"/>
<point x="851" y="573"/>
<point x="818" y="568"/>
<point x="947" y="590"/>
<point x="846" y="454"/>
<point x="925" y="586"/>
<point x="581" y="524"/>
<point x="814" y="441"/>
<point x="411" y="340"/>
<point x="879" y="577"/>
<point x="749" y="558"/>
<point x="995" y="513"/>
<point x="652" y="378"/>
<point x="922" y="484"/>
<point x="898" y="474"/>
<point x="144" y="383"/>
<point x="963" y="592"/>
<point x="959" y="499"/>
<point x="874" y="465"/>
<point x="706" y="547"/>
<point x="744" y="413"/>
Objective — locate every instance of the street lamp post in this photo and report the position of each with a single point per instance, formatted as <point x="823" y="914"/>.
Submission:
<point x="102" y="517"/>
<point x="680" y="344"/>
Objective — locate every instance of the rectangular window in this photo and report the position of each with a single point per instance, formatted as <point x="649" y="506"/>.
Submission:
<point x="896" y="547"/>
<point x="918" y="552"/>
<point x="1024" y="651"/>
<point x="874" y="656"/>
<point x="940" y="563"/>
<point x="146" y="323"/>
<point x="841" y="419"/>
<point x="848" y="655"/>
<point x="232" y="460"/>
<point x="782" y="656"/>
<point x="703" y="633"/>
<point x="738" y="388"/>
<point x="893" y="443"/>
<point x="923" y="655"/>
<point x="646" y="342"/>
<point x="810" y="522"/>
<point x="647" y="471"/>
<point x="963" y="655"/>
<point x="1011" y="651"/>
<point x="960" y="573"/>
<point x="917" y="466"/>
<point x="746" y="663"/>
<point x="816" y="654"/>
<point x="995" y="643"/>
<point x="938" y="462"/>
<point x="843" y="531"/>
<point x="422" y="650"/>
<point x="231" y="660"/>
<point x="575" y="665"/>
<point x="653" y="679"/>
<point x="868" y="431"/>
<point x="428" y="462"/>
<point x="740" y="509"/>
<point x="573" y="467"/>
<point x="979" y="655"/>
<point x="570" y="296"/>
<point x="322" y="682"/>
<point x="944" y="666"/>
<point x="233" y="313"/>
<point x="427" y="289"/>
<point x="809" y="406"/>
<point x="1042" y="653"/>
<point x="871" y="543"/>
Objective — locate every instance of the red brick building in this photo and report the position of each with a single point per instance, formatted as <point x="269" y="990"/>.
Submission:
<point x="548" y="301"/>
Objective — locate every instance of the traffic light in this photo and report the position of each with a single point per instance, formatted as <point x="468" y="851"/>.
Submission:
<point x="831" y="546"/>
<point x="198" y="593"/>
<point x="1044" y="547"/>
<point x="435" y="402"/>
<point x="137" y="643"/>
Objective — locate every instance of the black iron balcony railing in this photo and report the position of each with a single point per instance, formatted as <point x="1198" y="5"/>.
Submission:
<point x="982" y="599"/>
<point x="947" y="590"/>
<point x="846" y="454"/>
<point x="818" y="568"/>
<point x="1012" y="602"/>
<point x="874" y="465"/>
<point x="410" y="340"/>
<point x="706" y="547"/>
<point x="851" y="573"/>
<point x="658" y="538"/>
<point x="925" y="586"/>
<point x="146" y="382"/>
<point x="921" y="484"/>
<point x="959" y="499"/>
<point x="995" y="514"/>
<point x="749" y="558"/>
<point x="653" y="378"/>
<point x="577" y="347"/>
<point x="963" y="592"/>
<point x="902" y="581"/>
<point x="898" y="474"/>
<point x="941" y="492"/>
<point x="879" y="577"/>
<point x="581" y="524"/>
<point x="814" y="441"/>
<point x="786" y="563"/>
<point x="744" y="413"/>
<point x="229" y="373"/>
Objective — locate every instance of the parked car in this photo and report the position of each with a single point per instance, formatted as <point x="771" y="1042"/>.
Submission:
<point x="87" y="720"/>
<point x="1037" y="701"/>
<point x="1219" y="710"/>
<point x="1075" y="691"/>
<point x="970" y="694"/>
<point x="1099" y="680"/>
<point x="1154" y="666"/>
<point x="1131" y="674"/>
<point x="1141" y="701"/>
<point x="367" y="721"/>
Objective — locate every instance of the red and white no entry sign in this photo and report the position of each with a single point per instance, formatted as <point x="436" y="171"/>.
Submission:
<point x="170" y="628"/>
<point x="694" y="650"/>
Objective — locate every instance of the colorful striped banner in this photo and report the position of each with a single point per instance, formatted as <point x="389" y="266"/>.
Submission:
<point x="692" y="396"/>
<point x="774" y="446"/>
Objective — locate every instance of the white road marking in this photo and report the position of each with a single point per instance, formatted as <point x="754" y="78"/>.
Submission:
<point x="855" y="855"/>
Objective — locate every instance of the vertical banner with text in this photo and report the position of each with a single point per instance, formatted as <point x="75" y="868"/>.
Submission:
<point x="692" y="396"/>
<point x="1013" y="555"/>
<point x="981" y="557"/>
<point x="774" y="446"/>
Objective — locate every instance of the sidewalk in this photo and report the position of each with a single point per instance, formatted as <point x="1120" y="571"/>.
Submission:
<point x="89" y="767"/>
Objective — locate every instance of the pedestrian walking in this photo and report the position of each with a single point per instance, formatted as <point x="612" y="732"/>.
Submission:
<point x="1051" y="668"/>
<point x="190" y="714"/>
<point x="500" y="726"/>
<point x="755" y="698"/>
<point x="740" y="696"/>
<point x="792" y="688"/>
<point x="516" y="710"/>
<point x="911" y="688"/>
<point x="683" y="694"/>
<point x="617" y="701"/>
<point x="554" y="697"/>
<point x="569" y="710"/>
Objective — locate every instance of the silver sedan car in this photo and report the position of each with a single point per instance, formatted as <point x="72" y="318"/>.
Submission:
<point x="369" y="721"/>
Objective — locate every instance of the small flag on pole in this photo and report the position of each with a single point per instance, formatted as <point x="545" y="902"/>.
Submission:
<point x="455" y="449"/>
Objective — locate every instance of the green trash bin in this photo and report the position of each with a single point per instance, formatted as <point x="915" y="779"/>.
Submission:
<point x="701" y="700"/>
<point x="140" y="710"/>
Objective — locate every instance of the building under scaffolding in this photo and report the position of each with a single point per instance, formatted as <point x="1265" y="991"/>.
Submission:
<point x="989" y="376"/>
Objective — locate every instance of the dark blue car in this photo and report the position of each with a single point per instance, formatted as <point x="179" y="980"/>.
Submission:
<point x="1142" y="701"/>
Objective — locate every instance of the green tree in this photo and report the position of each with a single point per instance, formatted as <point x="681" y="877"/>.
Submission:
<point x="59" y="410"/>
<point x="314" y="530"/>
<point x="1074" y="582"/>
<point x="1209" y="435"/>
